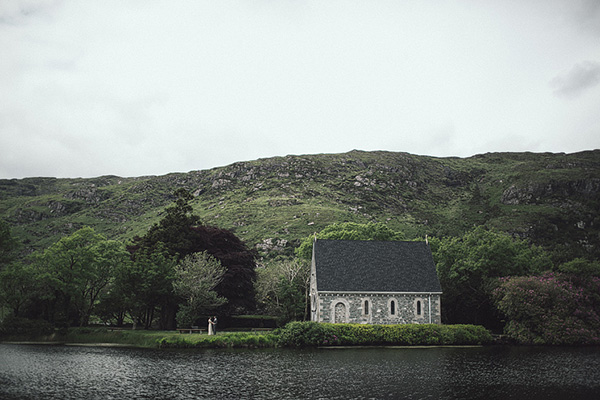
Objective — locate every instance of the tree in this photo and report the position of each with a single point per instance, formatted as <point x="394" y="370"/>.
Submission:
<point x="174" y="229"/>
<point x="266" y="287"/>
<point x="17" y="286"/>
<point x="7" y="244"/>
<point x="76" y="269"/>
<point x="147" y="285"/>
<point x="181" y="233"/>
<point x="580" y="267"/>
<point x="108" y="255"/>
<point x="550" y="309"/>
<point x="349" y="231"/>
<point x="237" y="285"/>
<point x="196" y="277"/>
<point x="468" y="266"/>
<point x="112" y="308"/>
<point x="282" y="289"/>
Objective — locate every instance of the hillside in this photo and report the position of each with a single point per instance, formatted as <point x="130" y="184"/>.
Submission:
<point x="551" y="199"/>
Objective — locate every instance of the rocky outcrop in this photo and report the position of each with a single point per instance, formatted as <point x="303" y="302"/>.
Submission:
<point x="538" y="192"/>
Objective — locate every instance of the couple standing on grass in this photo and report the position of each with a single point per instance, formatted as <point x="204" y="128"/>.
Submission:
<point x="212" y="325"/>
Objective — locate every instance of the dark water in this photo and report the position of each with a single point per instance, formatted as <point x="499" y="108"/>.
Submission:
<point x="64" y="372"/>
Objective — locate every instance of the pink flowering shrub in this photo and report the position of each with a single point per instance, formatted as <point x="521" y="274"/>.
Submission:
<point x="552" y="309"/>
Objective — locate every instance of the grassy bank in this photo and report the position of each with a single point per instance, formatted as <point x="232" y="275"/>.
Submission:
<point x="295" y="334"/>
<point x="152" y="339"/>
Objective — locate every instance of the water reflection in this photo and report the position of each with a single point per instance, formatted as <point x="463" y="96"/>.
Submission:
<point x="58" y="372"/>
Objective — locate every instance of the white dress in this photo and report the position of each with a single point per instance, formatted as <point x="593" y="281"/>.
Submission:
<point x="210" y="328"/>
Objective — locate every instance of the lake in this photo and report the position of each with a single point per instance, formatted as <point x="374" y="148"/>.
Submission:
<point x="495" y="372"/>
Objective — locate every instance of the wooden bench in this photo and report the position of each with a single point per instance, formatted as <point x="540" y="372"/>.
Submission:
<point x="191" y="330"/>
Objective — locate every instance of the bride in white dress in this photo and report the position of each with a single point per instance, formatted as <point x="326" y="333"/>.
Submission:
<point x="210" y="327"/>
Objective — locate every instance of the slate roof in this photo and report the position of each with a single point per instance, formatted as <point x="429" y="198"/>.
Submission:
<point x="374" y="266"/>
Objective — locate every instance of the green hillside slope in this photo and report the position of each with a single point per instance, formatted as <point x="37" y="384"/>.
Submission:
<point x="551" y="199"/>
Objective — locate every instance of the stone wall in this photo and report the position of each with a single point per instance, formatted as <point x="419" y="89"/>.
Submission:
<point x="384" y="308"/>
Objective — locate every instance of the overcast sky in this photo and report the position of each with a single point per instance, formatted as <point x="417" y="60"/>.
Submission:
<point x="130" y="88"/>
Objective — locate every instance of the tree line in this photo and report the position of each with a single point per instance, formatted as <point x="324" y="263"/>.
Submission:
<point x="181" y="270"/>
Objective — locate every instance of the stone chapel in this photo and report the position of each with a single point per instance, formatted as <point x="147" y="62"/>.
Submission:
<point x="374" y="282"/>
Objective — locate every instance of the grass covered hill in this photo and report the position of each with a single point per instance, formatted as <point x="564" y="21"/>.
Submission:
<point x="551" y="199"/>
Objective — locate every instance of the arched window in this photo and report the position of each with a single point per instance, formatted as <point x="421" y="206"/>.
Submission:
<point x="339" y="315"/>
<point x="366" y="307"/>
<point x="392" y="307"/>
<point x="419" y="307"/>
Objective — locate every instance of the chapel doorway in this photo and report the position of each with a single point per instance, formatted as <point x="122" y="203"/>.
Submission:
<point x="340" y="313"/>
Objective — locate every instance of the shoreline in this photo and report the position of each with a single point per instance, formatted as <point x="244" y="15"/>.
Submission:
<point x="294" y="334"/>
<point x="126" y="345"/>
<point x="418" y="346"/>
<point x="42" y="343"/>
<point x="189" y="346"/>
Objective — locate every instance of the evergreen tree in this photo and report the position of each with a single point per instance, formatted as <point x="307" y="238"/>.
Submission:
<point x="182" y="234"/>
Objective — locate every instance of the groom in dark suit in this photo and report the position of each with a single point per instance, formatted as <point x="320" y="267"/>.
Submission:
<point x="214" y="320"/>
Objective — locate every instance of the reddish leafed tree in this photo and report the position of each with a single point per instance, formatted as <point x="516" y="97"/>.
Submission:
<point x="182" y="233"/>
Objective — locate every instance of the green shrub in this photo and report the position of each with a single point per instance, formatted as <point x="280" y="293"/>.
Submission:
<point x="305" y="334"/>
<point x="23" y="327"/>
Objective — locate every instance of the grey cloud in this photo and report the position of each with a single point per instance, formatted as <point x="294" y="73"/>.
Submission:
<point x="587" y="16"/>
<point x="580" y="78"/>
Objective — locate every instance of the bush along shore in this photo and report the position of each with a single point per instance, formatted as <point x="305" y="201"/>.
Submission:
<point x="294" y="334"/>
<point x="307" y="334"/>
